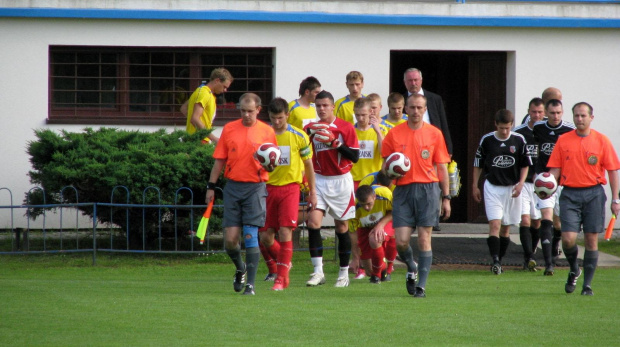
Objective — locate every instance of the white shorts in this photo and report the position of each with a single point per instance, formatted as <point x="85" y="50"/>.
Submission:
<point x="552" y="202"/>
<point x="499" y="204"/>
<point x="334" y="194"/>
<point x="528" y="201"/>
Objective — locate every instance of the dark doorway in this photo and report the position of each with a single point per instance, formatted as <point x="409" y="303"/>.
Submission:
<point x="473" y="88"/>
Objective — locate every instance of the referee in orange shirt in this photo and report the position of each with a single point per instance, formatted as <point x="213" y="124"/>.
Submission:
<point x="578" y="162"/>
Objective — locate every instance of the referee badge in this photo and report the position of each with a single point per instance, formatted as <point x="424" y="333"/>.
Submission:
<point x="425" y="154"/>
<point x="592" y="160"/>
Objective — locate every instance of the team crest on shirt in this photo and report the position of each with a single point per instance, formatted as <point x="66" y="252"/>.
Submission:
<point x="592" y="160"/>
<point x="513" y="149"/>
<point x="503" y="161"/>
<point x="371" y="220"/>
<point x="425" y="154"/>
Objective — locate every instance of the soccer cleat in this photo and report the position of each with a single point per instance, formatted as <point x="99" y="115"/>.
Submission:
<point x="286" y="281"/>
<point x="571" y="282"/>
<point x="375" y="280"/>
<point x="410" y="283"/>
<point x="496" y="268"/>
<point x="361" y="274"/>
<point x="342" y="282"/>
<point x="419" y="293"/>
<point x="239" y="279"/>
<point x="531" y="265"/>
<point x="549" y="271"/>
<point x="385" y="276"/>
<point x="587" y="291"/>
<point x="249" y="290"/>
<point x="316" y="279"/>
<point x="271" y="277"/>
<point x="277" y="286"/>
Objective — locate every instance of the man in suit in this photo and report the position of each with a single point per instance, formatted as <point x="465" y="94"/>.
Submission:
<point x="435" y="114"/>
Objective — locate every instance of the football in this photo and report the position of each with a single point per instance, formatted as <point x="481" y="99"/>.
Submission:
<point x="545" y="185"/>
<point x="397" y="165"/>
<point x="268" y="155"/>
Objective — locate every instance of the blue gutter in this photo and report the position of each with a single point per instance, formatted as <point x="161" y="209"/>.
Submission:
<point x="313" y="17"/>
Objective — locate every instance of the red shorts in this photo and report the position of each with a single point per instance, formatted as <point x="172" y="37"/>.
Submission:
<point x="364" y="243"/>
<point x="282" y="206"/>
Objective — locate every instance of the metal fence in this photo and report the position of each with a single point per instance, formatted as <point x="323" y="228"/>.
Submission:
<point x="170" y="231"/>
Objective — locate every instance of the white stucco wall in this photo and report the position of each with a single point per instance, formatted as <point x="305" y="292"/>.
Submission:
<point x="583" y="63"/>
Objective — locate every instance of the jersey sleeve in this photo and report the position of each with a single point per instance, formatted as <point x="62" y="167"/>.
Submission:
<point x="387" y="146"/>
<point x="555" y="160"/>
<point x="480" y="155"/>
<point x="525" y="158"/>
<point x="304" y="145"/>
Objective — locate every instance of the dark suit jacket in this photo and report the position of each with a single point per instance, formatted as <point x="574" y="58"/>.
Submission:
<point x="437" y="115"/>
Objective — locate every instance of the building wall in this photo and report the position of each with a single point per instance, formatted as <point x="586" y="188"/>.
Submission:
<point x="582" y="62"/>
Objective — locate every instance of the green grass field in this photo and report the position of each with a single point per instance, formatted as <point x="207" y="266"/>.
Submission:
<point x="128" y="300"/>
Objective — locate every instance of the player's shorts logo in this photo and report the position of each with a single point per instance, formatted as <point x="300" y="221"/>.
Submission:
<point x="425" y="154"/>
<point x="592" y="160"/>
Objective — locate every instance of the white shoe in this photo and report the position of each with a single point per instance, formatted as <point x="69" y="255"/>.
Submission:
<point x="316" y="279"/>
<point x="342" y="282"/>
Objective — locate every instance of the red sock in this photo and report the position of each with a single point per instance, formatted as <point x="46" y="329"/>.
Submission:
<point x="269" y="260"/>
<point x="390" y="253"/>
<point x="284" y="260"/>
<point x="274" y="250"/>
<point x="377" y="261"/>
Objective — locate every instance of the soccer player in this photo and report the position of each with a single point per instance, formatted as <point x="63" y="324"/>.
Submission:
<point x="547" y="94"/>
<point x="578" y="162"/>
<point x="302" y="110"/>
<point x="245" y="190"/>
<point x="529" y="228"/>
<point x="336" y="149"/>
<point x="373" y="213"/>
<point x="396" y="104"/>
<point x="344" y="105"/>
<point x="200" y="107"/>
<point x="502" y="156"/>
<point x="416" y="195"/>
<point x="369" y="135"/>
<point x="283" y="193"/>
<point x="546" y="133"/>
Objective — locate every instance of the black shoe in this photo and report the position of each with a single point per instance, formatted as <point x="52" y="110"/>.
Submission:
<point x="375" y="280"/>
<point x="571" y="282"/>
<point x="496" y="268"/>
<point x="419" y="293"/>
<point x="436" y="228"/>
<point x="410" y="283"/>
<point x="531" y="264"/>
<point x="587" y="291"/>
<point x="249" y="290"/>
<point x="548" y="271"/>
<point x="271" y="277"/>
<point x="239" y="279"/>
<point x="385" y="276"/>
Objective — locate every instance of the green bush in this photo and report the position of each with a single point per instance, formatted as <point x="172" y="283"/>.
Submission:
<point x="96" y="161"/>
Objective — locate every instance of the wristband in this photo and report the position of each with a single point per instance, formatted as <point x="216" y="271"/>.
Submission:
<point x="447" y="197"/>
<point x="615" y="201"/>
<point x="210" y="186"/>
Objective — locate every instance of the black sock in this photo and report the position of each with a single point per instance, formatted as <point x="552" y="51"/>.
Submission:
<point x="235" y="256"/>
<point x="590" y="259"/>
<point x="557" y="238"/>
<point x="426" y="260"/>
<point x="407" y="258"/>
<point x="545" y="240"/>
<point x="504" y="242"/>
<point x="315" y="243"/>
<point x="571" y="256"/>
<point x="535" y="238"/>
<point x="493" y="243"/>
<point x="252" y="256"/>
<point x="526" y="241"/>
<point x="344" y="248"/>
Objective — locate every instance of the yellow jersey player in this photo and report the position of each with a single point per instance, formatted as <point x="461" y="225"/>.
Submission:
<point x="396" y="104"/>
<point x="344" y="105"/>
<point x="283" y="193"/>
<point x="372" y="214"/>
<point x="302" y="111"/>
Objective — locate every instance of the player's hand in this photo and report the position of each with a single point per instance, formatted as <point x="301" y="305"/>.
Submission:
<point x="327" y="137"/>
<point x="377" y="234"/>
<point x="446" y="209"/>
<point x="311" y="200"/>
<point x="476" y="194"/>
<point x="210" y="196"/>
<point x="313" y="127"/>
<point x="516" y="191"/>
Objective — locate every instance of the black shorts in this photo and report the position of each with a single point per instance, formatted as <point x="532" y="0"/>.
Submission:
<point x="583" y="207"/>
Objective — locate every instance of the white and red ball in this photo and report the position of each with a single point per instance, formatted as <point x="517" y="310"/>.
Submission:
<point x="268" y="155"/>
<point x="545" y="185"/>
<point x="397" y="165"/>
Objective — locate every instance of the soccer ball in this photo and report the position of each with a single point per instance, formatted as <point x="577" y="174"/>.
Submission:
<point x="545" y="185"/>
<point x="397" y="165"/>
<point x="268" y="155"/>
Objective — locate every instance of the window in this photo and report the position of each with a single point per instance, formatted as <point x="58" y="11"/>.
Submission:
<point x="148" y="85"/>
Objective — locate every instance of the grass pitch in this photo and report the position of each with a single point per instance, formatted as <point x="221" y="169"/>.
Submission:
<point x="60" y="300"/>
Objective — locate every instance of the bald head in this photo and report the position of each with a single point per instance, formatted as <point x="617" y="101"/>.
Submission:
<point x="551" y="93"/>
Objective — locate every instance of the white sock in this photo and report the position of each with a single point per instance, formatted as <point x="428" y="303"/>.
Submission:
<point x="317" y="262"/>
<point x="344" y="272"/>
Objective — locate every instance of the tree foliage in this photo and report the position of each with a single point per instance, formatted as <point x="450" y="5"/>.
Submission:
<point x="96" y="161"/>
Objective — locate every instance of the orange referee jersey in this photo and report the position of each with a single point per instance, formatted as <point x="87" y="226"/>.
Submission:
<point x="424" y="147"/>
<point x="583" y="160"/>
<point x="237" y="146"/>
